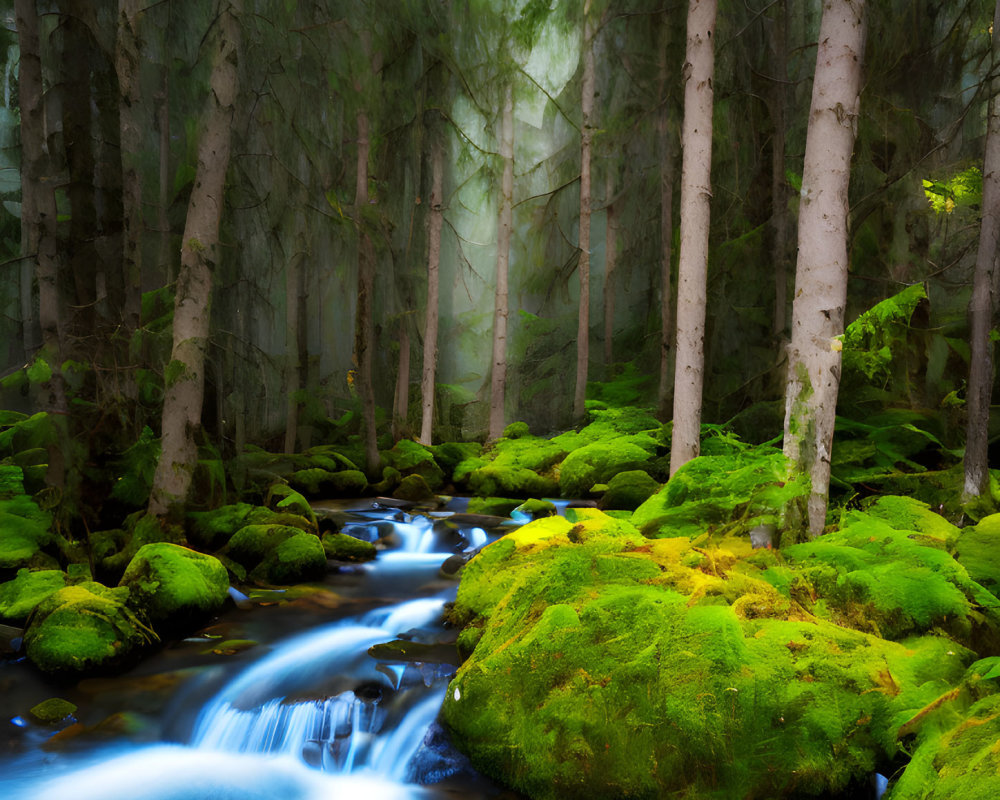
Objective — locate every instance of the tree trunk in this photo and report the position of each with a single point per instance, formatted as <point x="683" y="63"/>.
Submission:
<point x="982" y="306"/>
<point x="401" y="404"/>
<point x="696" y="194"/>
<point x="779" y="195"/>
<point x="498" y="374"/>
<point x="162" y="207"/>
<point x="610" y="263"/>
<point x="667" y="160"/>
<point x="39" y="218"/>
<point x="583" y="267"/>
<point x="364" y="331"/>
<point x="821" y="270"/>
<point x="431" y="322"/>
<point x="185" y="374"/>
<point x="293" y="367"/>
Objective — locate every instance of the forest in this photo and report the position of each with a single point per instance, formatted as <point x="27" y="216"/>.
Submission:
<point x="536" y="399"/>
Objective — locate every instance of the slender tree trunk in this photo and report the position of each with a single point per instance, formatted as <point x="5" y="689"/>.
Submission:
<point x="162" y="218"/>
<point x="983" y="303"/>
<point x="583" y="267"/>
<point x="667" y="162"/>
<point x="131" y="135"/>
<point x="779" y="195"/>
<point x="401" y="404"/>
<point x="498" y="375"/>
<point x="364" y="341"/>
<point x="431" y="323"/>
<point x="293" y="375"/>
<point x="39" y="216"/>
<point x="696" y="194"/>
<point x="610" y="263"/>
<point x="821" y="270"/>
<point x="185" y="374"/>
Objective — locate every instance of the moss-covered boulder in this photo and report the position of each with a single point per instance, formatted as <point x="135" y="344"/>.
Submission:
<point x="85" y="629"/>
<point x="211" y="530"/>
<point x="977" y="548"/>
<point x="412" y="458"/>
<point x="112" y="551"/>
<point x="19" y="597"/>
<point x="316" y="481"/>
<point x="251" y="543"/>
<point x="628" y="490"/>
<point x="598" y="463"/>
<point x="283" y="499"/>
<point x="414" y="489"/>
<point x="605" y="665"/>
<point x="297" y="559"/>
<point x="344" y="547"/>
<point x="25" y="535"/>
<point x="177" y="588"/>
<point x="523" y="466"/>
<point x="533" y="508"/>
<point x="52" y="711"/>
<point x="492" y="506"/>
<point x="450" y="454"/>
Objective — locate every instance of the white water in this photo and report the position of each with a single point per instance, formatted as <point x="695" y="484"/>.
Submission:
<point x="317" y="717"/>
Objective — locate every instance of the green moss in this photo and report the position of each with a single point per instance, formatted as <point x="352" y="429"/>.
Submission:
<point x="11" y="481"/>
<point x="535" y="509"/>
<point x="19" y="596"/>
<point x="25" y="532"/>
<point x="977" y="548"/>
<point x="283" y="499"/>
<point x="85" y="629"/>
<point x="318" y="481"/>
<point x="412" y="458"/>
<point x="343" y="547"/>
<point x="251" y="543"/>
<point x="599" y="462"/>
<point x="415" y="489"/>
<point x="492" y="479"/>
<point x="298" y="559"/>
<point x="177" y="588"/>
<point x="628" y="490"/>
<point x="113" y="553"/>
<point x="450" y="454"/>
<point x="516" y="430"/>
<point x="210" y="530"/>
<point x="53" y="710"/>
<point x="494" y="506"/>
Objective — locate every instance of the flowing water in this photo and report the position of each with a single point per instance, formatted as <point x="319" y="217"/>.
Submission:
<point x="311" y="716"/>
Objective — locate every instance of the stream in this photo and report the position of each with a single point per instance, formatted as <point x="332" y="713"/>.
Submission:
<point x="278" y="698"/>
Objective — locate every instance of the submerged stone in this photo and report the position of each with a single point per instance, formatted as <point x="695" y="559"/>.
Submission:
<point x="177" y="588"/>
<point x="85" y="629"/>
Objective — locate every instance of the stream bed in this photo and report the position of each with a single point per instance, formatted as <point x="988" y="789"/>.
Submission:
<point x="280" y="696"/>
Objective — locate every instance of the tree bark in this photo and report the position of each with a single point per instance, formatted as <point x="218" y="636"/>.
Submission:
<point x="364" y="331"/>
<point x="779" y="194"/>
<point x="498" y="374"/>
<point x="162" y="207"/>
<point x="39" y="219"/>
<point x="185" y="374"/>
<point x="696" y="193"/>
<point x="431" y="322"/>
<point x="583" y="267"/>
<point x="982" y="306"/>
<point x="667" y="160"/>
<point x="610" y="263"/>
<point x="293" y="367"/>
<point x="821" y="271"/>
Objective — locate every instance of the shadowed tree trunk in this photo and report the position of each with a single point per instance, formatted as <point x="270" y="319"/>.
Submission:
<point x="696" y="194"/>
<point x="983" y="303"/>
<point x="667" y="160"/>
<point x="431" y="322"/>
<point x="498" y="375"/>
<point x="184" y="379"/>
<point x="610" y="262"/>
<point x="821" y="270"/>
<point x="583" y="267"/>
<point x="293" y="366"/>
<point x="779" y="195"/>
<point x="166" y="259"/>
<point x="401" y="403"/>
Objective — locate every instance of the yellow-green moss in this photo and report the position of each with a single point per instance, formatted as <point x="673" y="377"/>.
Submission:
<point x="343" y="547"/>
<point x="298" y="559"/>
<point x="19" y="596"/>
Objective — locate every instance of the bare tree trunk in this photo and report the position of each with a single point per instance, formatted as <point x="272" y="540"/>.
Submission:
<point x="779" y="195"/>
<point x="431" y="323"/>
<point x="610" y="263"/>
<point x="667" y="161"/>
<point x="185" y="374"/>
<point x="696" y="194"/>
<point x="364" y="332"/>
<point x="162" y="217"/>
<point x="39" y="216"/>
<point x="583" y="267"/>
<point x="982" y="306"/>
<point x="293" y="367"/>
<point x="498" y="375"/>
<point x="821" y="271"/>
<point x="401" y="404"/>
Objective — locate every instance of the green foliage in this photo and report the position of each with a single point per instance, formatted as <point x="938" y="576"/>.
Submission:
<point x="875" y="343"/>
<point x="39" y="371"/>
<point x="629" y="387"/>
<point x="961" y="190"/>
<point x="136" y="468"/>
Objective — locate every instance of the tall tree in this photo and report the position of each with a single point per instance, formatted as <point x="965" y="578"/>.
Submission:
<point x="498" y="374"/>
<point x="814" y="354"/>
<point x="185" y="374"/>
<point x="779" y="195"/>
<point x="610" y="263"/>
<point x="666" y="150"/>
<point x="984" y="294"/>
<point x="434" y="222"/>
<point x="127" y="64"/>
<point x="583" y="266"/>
<point x="696" y="194"/>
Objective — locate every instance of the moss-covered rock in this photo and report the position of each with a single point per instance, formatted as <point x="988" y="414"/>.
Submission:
<point x="85" y="629"/>
<point x="628" y="490"/>
<point x="415" y="489"/>
<point x="412" y="458"/>
<point x="605" y="665"/>
<point x="283" y="499"/>
<point x="316" y="481"/>
<point x="115" y="549"/>
<point x="977" y="548"/>
<point x="25" y="533"/>
<point x="297" y="559"/>
<point x="516" y="467"/>
<point x="534" y="508"/>
<point x="251" y="543"/>
<point x="177" y="588"/>
<point x="516" y="430"/>
<point x="11" y="481"/>
<point x="598" y="463"/>
<point x="52" y="711"/>
<point x="492" y="506"/>
<point x="450" y="454"/>
<point x="19" y="597"/>
<point x="211" y="530"/>
<point x="344" y="547"/>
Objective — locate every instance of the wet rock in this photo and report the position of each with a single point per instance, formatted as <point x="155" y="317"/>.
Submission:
<point x="492" y="506"/>
<point x="343" y="547"/>
<point x="535" y="509"/>
<point x="177" y="588"/>
<point x="401" y="651"/>
<point x="52" y="711"/>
